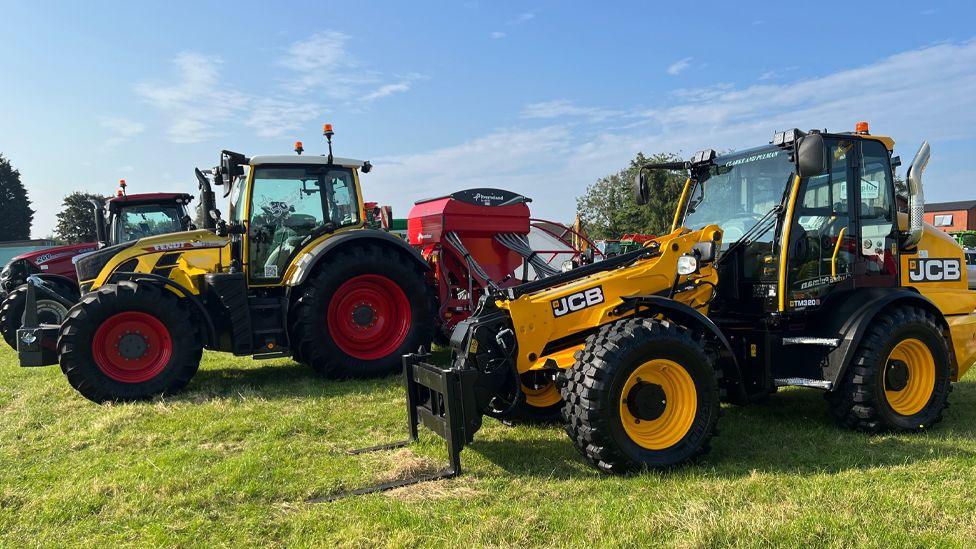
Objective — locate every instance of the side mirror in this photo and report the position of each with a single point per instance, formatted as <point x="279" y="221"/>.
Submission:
<point x="811" y="155"/>
<point x="640" y="188"/>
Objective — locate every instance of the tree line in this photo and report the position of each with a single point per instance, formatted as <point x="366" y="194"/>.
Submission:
<point x="608" y="209"/>
<point x="75" y="220"/>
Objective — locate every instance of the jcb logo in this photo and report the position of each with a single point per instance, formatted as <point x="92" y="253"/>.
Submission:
<point x="934" y="270"/>
<point x="577" y="301"/>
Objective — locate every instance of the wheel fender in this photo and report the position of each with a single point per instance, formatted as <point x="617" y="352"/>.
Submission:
<point x="210" y="332"/>
<point x="311" y="258"/>
<point x="650" y="305"/>
<point x="856" y="316"/>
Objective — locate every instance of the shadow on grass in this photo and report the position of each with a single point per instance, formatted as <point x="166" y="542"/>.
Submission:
<point x="792" y="433"/>
<point x="276" y="381"/>
<point x="279" y="379"/>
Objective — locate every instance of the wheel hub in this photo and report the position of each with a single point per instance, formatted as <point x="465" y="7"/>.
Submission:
<point x="363" y="315"/>
<point x="896" y="375"/>
<point x="132" y="346"/>
<point x="647" y="401"/>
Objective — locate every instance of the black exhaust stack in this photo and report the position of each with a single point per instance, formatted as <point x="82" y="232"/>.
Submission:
<point x="208" y="201"/>
<point x="99" y="211"/>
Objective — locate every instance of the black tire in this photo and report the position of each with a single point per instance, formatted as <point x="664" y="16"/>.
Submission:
<point x="99" y="381"/>
<point x="49" y="311"/>
<point x="317" y="345"/>
<point x="861" y="402"/>
<point x="593" y="393"/>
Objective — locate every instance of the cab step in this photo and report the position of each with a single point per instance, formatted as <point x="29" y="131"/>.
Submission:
<point x="803" y="382"/>
<point x="822" y="341"/>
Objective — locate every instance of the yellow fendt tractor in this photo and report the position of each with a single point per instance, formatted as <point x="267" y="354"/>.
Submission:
<point x="786" y="265"/>
<point x="293" y="271"/>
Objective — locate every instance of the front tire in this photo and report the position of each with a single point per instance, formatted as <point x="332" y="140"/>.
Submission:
<point x="49" y="311"/>
<point x="642" y="395"/>
<point x="127" y="342"/>
<point x="899" y="376"/>
<point x="362" y="310"/>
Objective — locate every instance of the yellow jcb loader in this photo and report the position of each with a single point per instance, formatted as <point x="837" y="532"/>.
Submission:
<point x="786" y="265"/>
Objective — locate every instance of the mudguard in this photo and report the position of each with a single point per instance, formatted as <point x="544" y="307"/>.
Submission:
<point x="649" y="305"/>
<point x="311" y="258"/>
<point x="853" y="318"/>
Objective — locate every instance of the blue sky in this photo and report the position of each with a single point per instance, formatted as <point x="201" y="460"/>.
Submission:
<point x="537" y="97"/>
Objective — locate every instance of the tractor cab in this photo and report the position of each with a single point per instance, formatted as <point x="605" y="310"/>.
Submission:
<point x="792" y="243"/>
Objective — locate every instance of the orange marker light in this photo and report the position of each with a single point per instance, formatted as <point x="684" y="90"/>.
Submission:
<point x="298" y="147"/>
<point x="327" y="129"/>
<point x="861" y="127"/>
<point x="122" y="183"/>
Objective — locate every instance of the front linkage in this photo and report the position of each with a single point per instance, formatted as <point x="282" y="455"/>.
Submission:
<point x="36" y="342"/>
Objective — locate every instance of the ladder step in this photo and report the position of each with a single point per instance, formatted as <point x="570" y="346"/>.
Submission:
<point x="803" y="382"/>
<point x="824" y="341"/>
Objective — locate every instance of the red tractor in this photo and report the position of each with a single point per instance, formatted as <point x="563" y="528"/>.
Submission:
<point x="119" y="219"/>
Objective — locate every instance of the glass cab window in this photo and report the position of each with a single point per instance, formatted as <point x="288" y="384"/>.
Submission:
<point x="877" y="211"/>
<point x="290" y="205"/>
<point x="822" y="246"/>
<point x="135" y="222"/>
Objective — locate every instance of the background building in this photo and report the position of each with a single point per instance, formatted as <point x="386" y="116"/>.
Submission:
<point x="952" y="216"/>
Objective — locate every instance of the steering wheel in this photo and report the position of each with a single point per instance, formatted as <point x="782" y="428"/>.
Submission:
<point x="738" y="225"/>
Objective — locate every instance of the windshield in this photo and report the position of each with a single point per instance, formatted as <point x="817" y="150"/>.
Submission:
<point x="135" y="222"/>
<point x="289" y="204"/>
<point x="738" y="190"/>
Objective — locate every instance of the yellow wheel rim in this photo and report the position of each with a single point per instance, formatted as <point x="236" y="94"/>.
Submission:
<point x="541" y="393"/>
<point x="680" y="403"/>
<point x="908" y="397"/>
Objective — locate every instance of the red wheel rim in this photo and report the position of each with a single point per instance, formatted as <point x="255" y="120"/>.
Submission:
<point x="369" y="317"/>
<point x="132" y="347"/>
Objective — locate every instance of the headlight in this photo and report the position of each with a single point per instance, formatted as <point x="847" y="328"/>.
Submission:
<point x="567" y="265"/>
<point x="687" y="264"/>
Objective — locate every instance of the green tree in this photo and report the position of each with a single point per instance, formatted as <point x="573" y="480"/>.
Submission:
<point x="76" y="221"/>
<point x="15" y="223"/>
<point x="608" y="208"/>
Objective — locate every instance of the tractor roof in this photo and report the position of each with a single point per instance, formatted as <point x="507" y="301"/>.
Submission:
<point x="301" y="159"/>
<point x="148" y="198"/>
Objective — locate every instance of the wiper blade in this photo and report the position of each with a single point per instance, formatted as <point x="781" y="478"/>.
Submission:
<point x="325" y="228"/>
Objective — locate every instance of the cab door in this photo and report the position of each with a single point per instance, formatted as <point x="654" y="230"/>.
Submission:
<point x="823" y="242"/>
<point x="877" y="259"/>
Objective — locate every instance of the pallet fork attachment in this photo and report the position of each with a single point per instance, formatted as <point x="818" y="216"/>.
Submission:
<point x="441" y="399"/>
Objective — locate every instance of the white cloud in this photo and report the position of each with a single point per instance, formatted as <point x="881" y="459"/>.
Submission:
<point x="272" y="118"/>
<point x="387" y="90"/>
<point x="196" y="102"/>
<point x="123" y="126"/>
<point x="554" y="163"/>
<point x="498" y="34"/>
<point x="523" y="17"/>
<point x="562" y="108"/>
<point x="121" y="129"/>
<point x="316" y="74"/>
<point x="678" y="66"/>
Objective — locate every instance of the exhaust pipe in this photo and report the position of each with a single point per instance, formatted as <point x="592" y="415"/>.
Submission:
<point x="101" y="233"/>
<point x="916" y="197"/>
<point x="208" y="201"/>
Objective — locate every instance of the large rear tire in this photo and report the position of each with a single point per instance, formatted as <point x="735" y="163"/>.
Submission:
<point x="361" y="311"/>
<point x="129" y="341"/>
<point x="899" y="376"/>
<point x="642" y="395"/>
<point x="49" y="311"/>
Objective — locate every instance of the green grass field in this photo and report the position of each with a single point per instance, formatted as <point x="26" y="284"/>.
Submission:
<point x="233" y="460"/>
